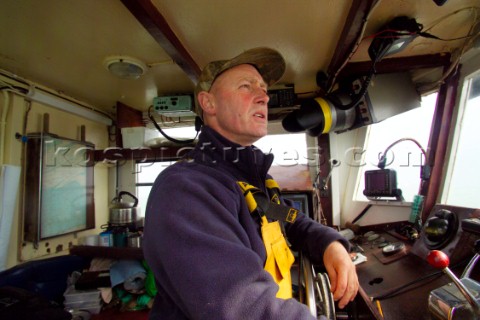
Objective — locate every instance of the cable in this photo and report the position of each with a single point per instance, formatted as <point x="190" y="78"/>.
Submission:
<point x="355" y="46"/>
<point x="358" y="97"/>
<point x="362" y="213"/>
<point x="471" y="36"/>
<point x="198" y="125"/>
<point x="394" y="292"/>
<point x="318" y="211"/>
<point x="383" y="158"/>
<point x="399" y="290"/>
<point x="424" y="169"/>
<point x="443" y="18"/>
<point x="317" y="186"/>
<point x="30" y="87"/>
<point x="431" y="36"/>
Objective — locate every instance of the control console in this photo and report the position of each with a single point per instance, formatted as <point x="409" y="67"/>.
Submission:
<point x="462" y="299"/>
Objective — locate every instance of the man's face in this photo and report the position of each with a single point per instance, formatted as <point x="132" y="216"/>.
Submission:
<point x="239" y="111"/>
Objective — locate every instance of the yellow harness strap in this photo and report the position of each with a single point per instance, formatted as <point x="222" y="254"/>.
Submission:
<point x="279" y="257"/>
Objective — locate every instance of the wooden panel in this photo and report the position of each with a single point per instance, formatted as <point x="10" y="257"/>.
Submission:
<point x="352" y="30"/>
<point x="128" y="116"/>
<point x="438" y="142"/>
<point x="153" y="21"/>
<point x="292" y="178"/>
<point x="391" y="65"/>
<point x="378" y="279"/>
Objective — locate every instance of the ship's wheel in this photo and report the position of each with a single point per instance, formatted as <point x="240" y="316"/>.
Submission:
<point x="314" y="290"/>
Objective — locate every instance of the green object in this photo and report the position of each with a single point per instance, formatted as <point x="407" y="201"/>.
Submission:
<point x="150" y="286"/>
<point x="416" y="213"/>
<point x="143" y="300"/>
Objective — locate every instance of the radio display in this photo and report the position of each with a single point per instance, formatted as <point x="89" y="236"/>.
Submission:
<point x="381" y="183"/>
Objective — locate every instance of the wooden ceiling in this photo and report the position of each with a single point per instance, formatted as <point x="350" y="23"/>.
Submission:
<point x="62" y="44"/>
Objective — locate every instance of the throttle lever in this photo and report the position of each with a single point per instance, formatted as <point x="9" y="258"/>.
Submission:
<point x="440" y="260"/>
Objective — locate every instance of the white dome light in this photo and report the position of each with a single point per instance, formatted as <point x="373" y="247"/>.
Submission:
<point x="125" y="67"/>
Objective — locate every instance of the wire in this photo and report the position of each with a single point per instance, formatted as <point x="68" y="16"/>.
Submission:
<point x="424" y="169"/>
<point x="431" y="36"/>
<point x="383" y="158"/>
<point x="24" y="91"/>
<point x="14" y="89"/>
<point x="362" y="213"/>
<point x="355" y="46"/>
<point x="471" y="36"/>
<point x="399" y="290"/>
<point x="198" y="124"/>
<point x="443" y="18"/>
<point x="358" y="97"/>
<point x="319" y="215"/>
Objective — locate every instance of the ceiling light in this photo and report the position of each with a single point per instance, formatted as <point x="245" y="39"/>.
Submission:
<point x="125" y="67"/>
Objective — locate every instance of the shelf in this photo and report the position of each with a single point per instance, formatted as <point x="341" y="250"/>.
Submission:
<point x="108" y="252"/>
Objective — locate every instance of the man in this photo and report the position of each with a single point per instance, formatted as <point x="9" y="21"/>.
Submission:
<point x="201" y="241"/>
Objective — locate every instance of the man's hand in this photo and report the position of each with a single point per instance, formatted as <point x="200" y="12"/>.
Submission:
<point x="342" y="273"/>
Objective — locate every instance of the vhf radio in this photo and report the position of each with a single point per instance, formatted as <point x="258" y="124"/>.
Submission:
<point x="174" y="106"/>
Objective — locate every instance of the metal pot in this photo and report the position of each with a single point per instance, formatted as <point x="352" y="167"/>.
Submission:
<point x="135" y="240"/>
<point x="121" y="211"/>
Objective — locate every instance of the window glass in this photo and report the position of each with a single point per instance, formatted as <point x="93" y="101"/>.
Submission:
<point x="404" y="157"/>
<point x="146" y="174"/>
<point x="288" y="149"/>
<point x="463" y="188"/>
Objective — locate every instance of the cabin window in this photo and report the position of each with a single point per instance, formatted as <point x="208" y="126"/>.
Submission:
<point x="462" y="185"/>
<point x="404" y="157"/>
<point x="147" y="172"/>
<point x="288" y="149"/>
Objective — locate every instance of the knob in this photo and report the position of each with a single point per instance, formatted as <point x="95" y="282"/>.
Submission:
<point x="438" y="259"/>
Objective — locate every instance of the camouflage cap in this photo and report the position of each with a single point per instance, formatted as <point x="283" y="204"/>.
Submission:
<point x="269" y="63"/>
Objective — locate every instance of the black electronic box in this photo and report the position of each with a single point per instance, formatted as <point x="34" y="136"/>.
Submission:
<point x="381" y="183"/>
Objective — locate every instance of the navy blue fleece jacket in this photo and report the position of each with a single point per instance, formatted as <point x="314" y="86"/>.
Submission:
<point x="204" y="246"/>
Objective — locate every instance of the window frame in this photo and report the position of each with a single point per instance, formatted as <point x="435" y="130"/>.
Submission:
<point x="470" y="68"/>
<point x="395" y="160"/>
<point x="444" y="119"/>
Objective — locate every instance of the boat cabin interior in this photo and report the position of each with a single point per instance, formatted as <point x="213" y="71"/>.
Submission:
<point x="373" y="127"/>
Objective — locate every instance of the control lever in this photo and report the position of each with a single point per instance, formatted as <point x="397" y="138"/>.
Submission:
<point x="448" y="303"/>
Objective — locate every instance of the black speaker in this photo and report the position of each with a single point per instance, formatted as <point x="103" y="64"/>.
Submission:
<point x="442" y="231"/>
